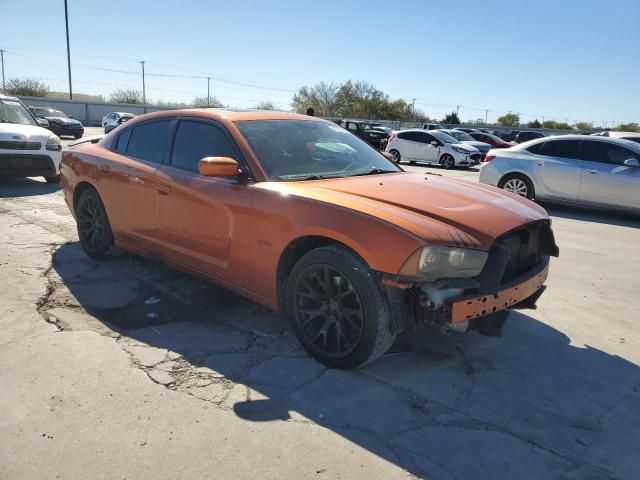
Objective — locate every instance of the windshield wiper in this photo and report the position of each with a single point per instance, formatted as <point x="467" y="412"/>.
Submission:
<point x="302" y="178"/>
<point x="373" y="171"/>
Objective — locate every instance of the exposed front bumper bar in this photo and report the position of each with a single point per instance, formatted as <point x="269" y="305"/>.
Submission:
<point x="468" y="308"/>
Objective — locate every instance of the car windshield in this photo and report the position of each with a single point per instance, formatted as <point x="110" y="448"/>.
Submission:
<point x="56" y="113"/>
<point x="443" y="137"/>
<point x="291" y="150"/>
<point x="493" y="137"/>
<point x="12" y="111"/>
<point x="462" y="136"/>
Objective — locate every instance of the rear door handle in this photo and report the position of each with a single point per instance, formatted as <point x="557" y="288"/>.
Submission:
<point x="593" y="172"/>
<point x="104" y="167"/>
<point x="163" y="189"/>
<point x="541" y="164"/>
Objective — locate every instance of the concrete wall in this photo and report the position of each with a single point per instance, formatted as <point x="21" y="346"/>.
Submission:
<point x="88" y="112"/>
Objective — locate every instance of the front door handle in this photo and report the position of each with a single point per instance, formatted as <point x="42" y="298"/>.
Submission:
<point x="541" y="164"/>
<point x="104" y="167"/>
<point x="593" y="172"/>
<point x="164" y="189"/>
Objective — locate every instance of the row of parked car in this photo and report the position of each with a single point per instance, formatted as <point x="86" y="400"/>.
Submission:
<point x="65" y="125"/>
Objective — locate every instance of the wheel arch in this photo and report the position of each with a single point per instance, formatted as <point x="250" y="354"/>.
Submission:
<point x="295" y="250"/>
<point x="79" y="188"/>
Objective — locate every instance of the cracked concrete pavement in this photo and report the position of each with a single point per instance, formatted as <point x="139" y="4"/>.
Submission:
<point x="127" y="369"/>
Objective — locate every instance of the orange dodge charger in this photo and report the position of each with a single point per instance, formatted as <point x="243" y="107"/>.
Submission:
<point x="303" y="217"/>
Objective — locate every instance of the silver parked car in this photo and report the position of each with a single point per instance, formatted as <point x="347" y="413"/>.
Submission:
<point x="594" y="171"/>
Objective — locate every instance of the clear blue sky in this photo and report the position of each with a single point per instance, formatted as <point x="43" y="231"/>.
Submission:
<point x="578" y="59"/>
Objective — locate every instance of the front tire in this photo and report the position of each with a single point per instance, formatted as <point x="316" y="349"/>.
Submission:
<point x="447" y="161"/>
<point x="93" y="225"/>
<point x="518" y="184"/>
<point x="337" y="308"/>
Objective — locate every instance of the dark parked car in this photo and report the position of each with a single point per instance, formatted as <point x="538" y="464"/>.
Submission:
<point x="508" y="136"/>
<point x="526" y="136"/>
<point x="374" y="137"/>
<point x="59" y="122"/>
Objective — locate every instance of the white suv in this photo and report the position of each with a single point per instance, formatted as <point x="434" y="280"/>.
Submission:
<point x="26" y="149"/>
<point x="431" y="147"/>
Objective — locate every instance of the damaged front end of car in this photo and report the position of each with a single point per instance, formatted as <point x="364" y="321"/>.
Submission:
<point x="455" y="289"/>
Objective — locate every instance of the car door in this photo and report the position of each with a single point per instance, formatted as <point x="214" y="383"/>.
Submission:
<point x="126" y="181"/>
<point x="406" y="144"/>
<point x="425" y="150"/>
<point x="606" y="180"/>
<point x="203" y="222"/>
<point x="557" y="169"/>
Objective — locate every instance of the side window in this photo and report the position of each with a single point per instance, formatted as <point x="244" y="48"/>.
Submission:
<point x="196" y="140"/>
<point x="123" y="141"/>
<point x="412" y="136"/>
<point x="536" y="148"/>
<point x="149" y="141"/>
<point x="560" y="148"/>
<point x="633" y="139"/>
<point x="427" y="138"/>
<point x="352" y="126"/>
<point x="604" y="152"/>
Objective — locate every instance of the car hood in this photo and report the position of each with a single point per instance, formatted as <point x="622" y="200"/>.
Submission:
<point x="68" y="121"/>
<point x="483" y="147"/>
<point x="437" y="210"/>
<point x="25" y="132"/>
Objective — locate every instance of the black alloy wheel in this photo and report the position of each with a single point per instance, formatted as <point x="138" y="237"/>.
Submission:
<point x="94" y="230"/>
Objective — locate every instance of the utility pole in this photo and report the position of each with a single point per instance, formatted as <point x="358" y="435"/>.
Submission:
<point x="66" y="22"/>
<point x="486" y="116"/>
<point x="413" y="109"/>
<point x="2" y="57"/>
<point x="208" y="96"/>
<point x="144" y="91"/>
<point x="457" y="110"/>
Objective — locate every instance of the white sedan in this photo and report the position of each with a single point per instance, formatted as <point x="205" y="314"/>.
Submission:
<point x="576" y="169"/>
<point x="431" y="147"/>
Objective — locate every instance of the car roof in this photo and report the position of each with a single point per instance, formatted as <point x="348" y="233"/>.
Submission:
<point x="231" y="114"/>
<point x="8" y="97"/>
<point x="587" y="138"/>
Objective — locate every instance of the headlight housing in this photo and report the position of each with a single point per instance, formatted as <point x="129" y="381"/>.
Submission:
<point x="53" y="144"/>
<point x="433" y="263"/>
<point x="460" y="150"/>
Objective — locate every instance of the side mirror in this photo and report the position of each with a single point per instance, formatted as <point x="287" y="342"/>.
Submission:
<point x="632" y="162"/>
<point x="434" y="143"/>
<point x="70" y="116"/>
<point x="43" y="122"/>
<point x="218" y="167"/>
<point x="387" y="155"/>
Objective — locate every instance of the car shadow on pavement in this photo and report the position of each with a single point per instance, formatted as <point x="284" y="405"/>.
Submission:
<point x="25" y="187"/>
<point x="526" y="405"/>
<point x="594" y="216"/>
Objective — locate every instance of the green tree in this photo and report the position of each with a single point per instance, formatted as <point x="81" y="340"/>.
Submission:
<point x="509" y="120"/>
<point x="628" y="127"/>
<point x="534" y="124"/>
<point x="321" y="97"/>
<point x="451" y="119"/>
<point x="28" y="87"/>
<point x="126" y="95"/>
<point x="204" y="102"/>
<point x="266" y="105"/>
<point x="556" y="125"/>
<point x="584" y="126"/>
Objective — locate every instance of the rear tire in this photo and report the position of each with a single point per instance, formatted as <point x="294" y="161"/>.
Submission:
<point x="337" y="308"/>
<point x="93" y="225"/>
<point x="397" y="158"/>
<point x="518" y="184"/>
